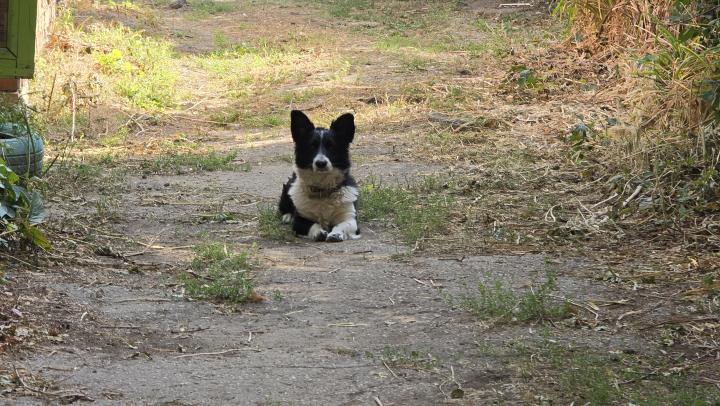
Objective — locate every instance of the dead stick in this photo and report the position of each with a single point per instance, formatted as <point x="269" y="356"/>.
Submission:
<point x="218" y="353"/>
<point x="388" y="368"/>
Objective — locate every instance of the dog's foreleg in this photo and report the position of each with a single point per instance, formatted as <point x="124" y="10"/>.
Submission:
<point x="306" y="228"/>
<point x="286" y="206"/>
<point x="343" y="231"/>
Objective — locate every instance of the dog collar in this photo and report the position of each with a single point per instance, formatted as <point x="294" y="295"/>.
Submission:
<point x="322" y="192"/>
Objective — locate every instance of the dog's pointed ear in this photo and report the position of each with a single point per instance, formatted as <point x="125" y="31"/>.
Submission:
<point x="300" y="125"/>
<point x="344" y="127"/>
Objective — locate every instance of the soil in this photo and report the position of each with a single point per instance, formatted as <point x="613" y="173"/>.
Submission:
<point x="116" y="329"/>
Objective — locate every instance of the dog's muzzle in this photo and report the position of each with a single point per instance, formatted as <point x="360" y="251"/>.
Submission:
<point x="321" y="165"/>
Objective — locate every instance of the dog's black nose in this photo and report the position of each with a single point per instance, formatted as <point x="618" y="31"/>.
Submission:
<point x="321" y="164"/>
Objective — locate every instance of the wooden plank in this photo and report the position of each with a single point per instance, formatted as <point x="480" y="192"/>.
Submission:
<point x="17" y="57"/>
<point x="3" y="23"/>
<point x="26" y="38"/>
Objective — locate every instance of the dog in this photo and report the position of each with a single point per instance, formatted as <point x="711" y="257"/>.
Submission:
<point x="320" y="198"/>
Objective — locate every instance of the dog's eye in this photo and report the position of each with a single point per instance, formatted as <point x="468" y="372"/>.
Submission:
<point x="328" y="143"/>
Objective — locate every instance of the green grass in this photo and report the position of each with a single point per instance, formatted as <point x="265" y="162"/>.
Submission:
<point x="116" y="139"/>
<point x="178" y="162"/>
<point x="584" y="376"/>
<point x="405" y="358"/>
<point x="201" y="9"/>
<point x="394" y="15"/>
<point x="220" y="274"/>
<point x="346" y="8"/>
<point x="138" y="67"/>
<point x="267" y="120"/>
<point x="496" y="302"/>
<point x="418" y="211"/>
<point x="270" y="226"/>
<point x="98" y="173"/>
<point x="224" y="118"/>
<point x="218" y="214"/>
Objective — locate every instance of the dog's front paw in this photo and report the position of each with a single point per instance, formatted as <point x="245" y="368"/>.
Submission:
<point x="317" y="233"/>
<point x="335" y="237"/>
<point x="287" y="218"/>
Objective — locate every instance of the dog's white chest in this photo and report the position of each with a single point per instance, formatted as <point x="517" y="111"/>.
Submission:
<point x="327" y="211"/>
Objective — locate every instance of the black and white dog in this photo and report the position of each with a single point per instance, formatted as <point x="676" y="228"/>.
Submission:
<point x="320" y="199"/>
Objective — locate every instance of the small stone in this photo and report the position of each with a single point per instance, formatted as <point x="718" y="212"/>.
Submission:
<point x="176" y="4"/>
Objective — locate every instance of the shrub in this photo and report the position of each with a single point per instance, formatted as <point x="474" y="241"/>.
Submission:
<point x="672" y="149"/>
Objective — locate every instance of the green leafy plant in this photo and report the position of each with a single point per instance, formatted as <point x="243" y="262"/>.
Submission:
<point x="21" y="203"/>
<point x="21" y="210"/>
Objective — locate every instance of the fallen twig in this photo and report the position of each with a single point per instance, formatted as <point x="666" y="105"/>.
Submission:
<point x="144" y="299"/>
<point x="637" y="191"/>
<point x="198" y="354"/>
<point x="680" y="321"/>
<point x="388" y="368"/>
<point x="587" y="308"/>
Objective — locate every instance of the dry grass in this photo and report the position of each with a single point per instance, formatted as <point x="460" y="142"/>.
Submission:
<point x="615" y="23"/>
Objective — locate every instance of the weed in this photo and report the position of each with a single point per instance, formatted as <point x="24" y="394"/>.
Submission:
<point x="222" y="42"/>
<point x="346" y="8"/>
<point x="107" y="208"/>
<point x="202" y="9"/>
<point x="271" y="227"/>
<point x="343" y="351"/>
<point x="220" y="274"/>
<point x="139" y="67"/>
<point x="300" y="96"/>
<point x="502" y="304"/>
<point x="177" y="162"/>
<point x="264" y="120"/>
<point x="408" y="359"/>
<point x="416" y="213"/>
<point x="277" y="295"/>
<point x="415" y="64"/>
<point x="224" y="118"/>
<point x="586" y="377"/>
<point x="116" y="139"/>
<point x="246" y="71"/>
<point x="218" y="214"/>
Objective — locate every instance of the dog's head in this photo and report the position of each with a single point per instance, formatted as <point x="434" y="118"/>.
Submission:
<point x="321" y="149"/>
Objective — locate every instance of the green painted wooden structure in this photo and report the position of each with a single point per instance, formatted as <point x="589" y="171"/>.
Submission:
<point x="17" y="38"/>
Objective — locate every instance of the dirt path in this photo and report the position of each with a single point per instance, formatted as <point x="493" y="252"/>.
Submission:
<point x="365" y="322"/>
<point x="344" y="323"/>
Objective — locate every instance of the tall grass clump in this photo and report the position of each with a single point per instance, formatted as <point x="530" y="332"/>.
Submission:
<point x="219" y="274"/>
<point x="669" y="154"/>
<point x="417" y="211"/>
